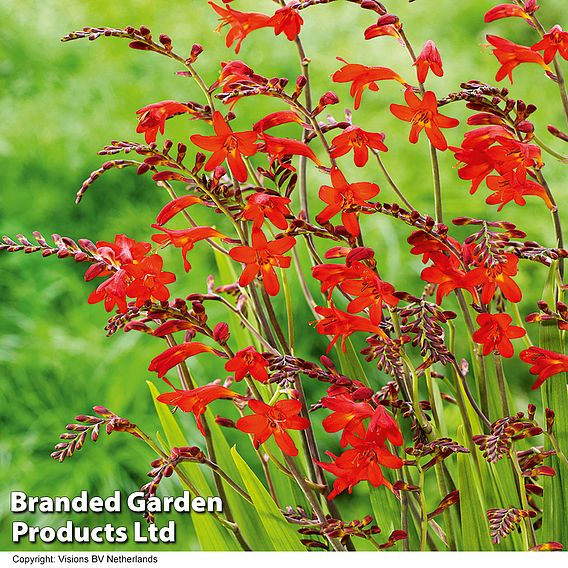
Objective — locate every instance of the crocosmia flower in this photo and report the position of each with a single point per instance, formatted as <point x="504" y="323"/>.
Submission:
<point x="340" y="324"/>
<point x="176" y="354"/>
<point x="241" y="23"/>
<point x="505" y="11"/>
<point x="274" y="421"/>
<point x="511" y="55"/>
<point x="553" y="42"/>
<point x="153" y="117"/>
<point x="263" y="205"/>
<point x="423" y="115"/>
<point x="261" y="258"/>
<point x="347" y="198"/>
<point x="544" y="363"/>
<point x="149" y="281"/>
<point x="498" y="275"/>
<point x="361" y="463"/>
<point x="358" y="140"/>
<point x="362" y="77"/>
<point x="428" y="60"/>
<point x="227" y="145"/>
<point x="196" y="400"/>
<point x="287" y="20"/>
<point x="248" y="361"/>
<point x="495" y="333"/>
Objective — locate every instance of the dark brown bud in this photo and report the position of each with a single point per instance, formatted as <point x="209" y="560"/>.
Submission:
<point x="225" y="422"/>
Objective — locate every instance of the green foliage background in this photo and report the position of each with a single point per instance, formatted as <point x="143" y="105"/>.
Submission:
<point x="60" y="103"/>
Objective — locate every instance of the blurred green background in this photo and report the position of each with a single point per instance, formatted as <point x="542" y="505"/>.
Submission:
<point x="60" y="103"/>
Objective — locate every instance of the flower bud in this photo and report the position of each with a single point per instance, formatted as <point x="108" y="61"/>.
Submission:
<point x="221" y="333"/>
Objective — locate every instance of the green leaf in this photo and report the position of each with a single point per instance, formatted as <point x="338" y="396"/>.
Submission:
<point x="474" y="524"/>
<point x="210" y="534"/>
<point x="244" y="513"/>
<point x="284" y="536"/>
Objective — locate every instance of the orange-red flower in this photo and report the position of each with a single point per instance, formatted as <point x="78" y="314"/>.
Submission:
<point x="382" y="29"/>
<point x="348" y="415"/>
<point x="114" y="257"/>
<point x="495" y="333"/>
<point x="448" y="275"/>
<point x="511" y="55"/>
<point x="153" y="117"/>
<point x="331" y="275"/>
<point x="174" y="355"/>
<point x="261" y="258"/>
<point x="544" y="363"/>
<point x="149" y="282"/>
<point x="370" y="292"/>
<point x="185" y="239"/>
<point x="274" y="421"/>
<point x="505" y="11"/>
<point x="514" y="186"/>
<point x="196" y="400"/>
<point x="112" y="291"/>
<point x="362" y="77"/>
<point x="241" y="23"/>
<point x="227" y="145"/>
<point x="280" y="148"/>
<point x="273" y="207"/>
<point x="362" y="463"/>
<point x="356" y="139"/>
<point x="248" y="361"/>
<point x="276" y="119"/>
<point x="175" y="206"/>
<point x="338" y="324"/>
<point x="423" y="115"/>
<point x="498" y="275"/>
<point x="428" y="59"/>
<point x="287" y="20"/>
<point x="553" y="42"/>
<point x="345" y="198"/>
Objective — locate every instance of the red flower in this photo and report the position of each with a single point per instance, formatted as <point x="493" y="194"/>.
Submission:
<point x="241" y="23"/>
<point x="197" y="399"/>
<point x="341" y="324"/>
<point x="175" y="355"/>
<point x="553" y="42"/>
<point x="370" y="292"/>
<point x="513" y="186"/>
<point x="495" y="333"/>
<point x="505" y="11"/>
<point x="248" y="361"/>
<point x="261" y="258"/>
<point x="347" y="198"/>
<point x="331" y="275"/>
<point x="153" y="117"/>
<point x="276" y="119"/>
<point x="358" y="140"/>
<point x="347" y="415"/>
<point x="383" y="29"/>
<point x="185" y="239"/>
<point x="425" y="244"/>
<point x="112" y="291"/>
<point x="498" y="276"/>
<point x="113" y="257"/>
<point x="511" y="54"/>
<point x="273" y="207"/>
<point x="287" y="20"/>
<point x="227" y="145"/>
<point x="448" y="275"/>
<point x="424" y="115"/>
<point x="149" y="281"/>
<point x="544" y="363"/>
<point x="175" y="206"/>
<point x="363" y="76"/>
<point x="362" y="463"/>
<point x="428" y="59"/>
<point x="274" y="421"/>
<point x="280" y="148"/>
